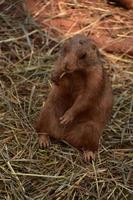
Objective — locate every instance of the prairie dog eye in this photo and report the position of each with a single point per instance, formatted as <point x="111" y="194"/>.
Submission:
<point x="82" y="55"/>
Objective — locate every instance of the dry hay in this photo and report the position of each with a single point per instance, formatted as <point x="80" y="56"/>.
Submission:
<point x="26" y="172"/>
<point x="110" y="27"/>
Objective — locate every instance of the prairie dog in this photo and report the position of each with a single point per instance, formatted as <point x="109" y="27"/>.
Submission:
<point x="80" y="101"/>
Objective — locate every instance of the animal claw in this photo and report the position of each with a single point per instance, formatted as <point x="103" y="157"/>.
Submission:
<point x="89" y="156"/>
<point x="66" y="118"/>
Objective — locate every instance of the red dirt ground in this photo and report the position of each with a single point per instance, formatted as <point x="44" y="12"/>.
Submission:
<point x="111" y="27"/>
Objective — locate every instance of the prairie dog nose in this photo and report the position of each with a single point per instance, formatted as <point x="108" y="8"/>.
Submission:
<point x="69" y="63"/>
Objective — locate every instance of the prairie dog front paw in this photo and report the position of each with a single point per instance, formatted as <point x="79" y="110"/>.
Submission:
<point x="66" y="118"/>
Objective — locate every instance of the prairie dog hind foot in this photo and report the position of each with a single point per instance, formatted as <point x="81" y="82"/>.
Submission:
<point x="89" y="156"/>
<point x="44" y="140"/>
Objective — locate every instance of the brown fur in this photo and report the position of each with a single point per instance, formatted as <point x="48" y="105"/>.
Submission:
<point x="80" y="101"/>
<point x="125" y="3"/>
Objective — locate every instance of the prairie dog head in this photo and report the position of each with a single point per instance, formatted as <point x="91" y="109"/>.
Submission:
<point x="76" y="54"/>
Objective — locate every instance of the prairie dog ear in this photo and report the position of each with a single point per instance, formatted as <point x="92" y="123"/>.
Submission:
<point x="65" y="47"/>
